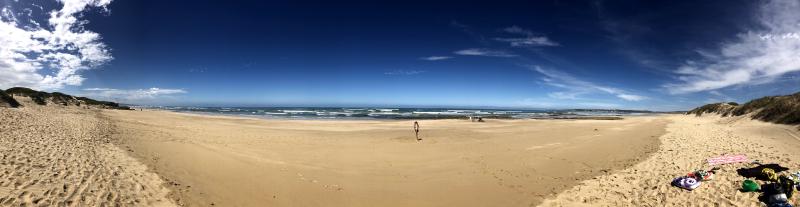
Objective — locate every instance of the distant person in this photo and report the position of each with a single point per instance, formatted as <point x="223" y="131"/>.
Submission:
<point x="416" y="130"/>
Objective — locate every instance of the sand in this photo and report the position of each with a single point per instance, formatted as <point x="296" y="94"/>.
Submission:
<point x="228" y="161"/>
<point x="688" y="143"/>
<point x="68" y="156"/>
<point x="63" y="156"/>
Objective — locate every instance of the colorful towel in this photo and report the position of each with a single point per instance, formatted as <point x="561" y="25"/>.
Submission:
<point x="702" y="175"/>
<point x="727" y="159"/>
<point x="687" y="183"/>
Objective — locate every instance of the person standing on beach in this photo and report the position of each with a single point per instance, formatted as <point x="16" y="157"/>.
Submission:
<point x="416" y="130"/>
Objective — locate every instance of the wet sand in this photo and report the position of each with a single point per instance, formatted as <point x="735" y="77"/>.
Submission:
<point x="230" y="161"/>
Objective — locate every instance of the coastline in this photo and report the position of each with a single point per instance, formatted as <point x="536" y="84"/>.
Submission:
<point x="375" y="162"/>
<point x="162" y="158"/>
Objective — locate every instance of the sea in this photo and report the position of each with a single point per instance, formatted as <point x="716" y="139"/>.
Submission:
<point x="400" y="113"/>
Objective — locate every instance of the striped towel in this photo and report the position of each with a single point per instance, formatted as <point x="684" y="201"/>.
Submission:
<point x="727" y="159"/>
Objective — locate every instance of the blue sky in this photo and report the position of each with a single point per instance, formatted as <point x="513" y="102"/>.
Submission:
<point x="671" y="55"/>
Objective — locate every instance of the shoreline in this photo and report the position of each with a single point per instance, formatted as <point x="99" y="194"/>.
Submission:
<point x="463" y="159"/>
<point x="449" y="117"/>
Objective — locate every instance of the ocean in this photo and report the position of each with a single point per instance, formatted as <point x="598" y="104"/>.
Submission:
<point x="400" y="113"/>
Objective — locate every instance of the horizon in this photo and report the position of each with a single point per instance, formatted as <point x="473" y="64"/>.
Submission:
<point x="626" y="55"/>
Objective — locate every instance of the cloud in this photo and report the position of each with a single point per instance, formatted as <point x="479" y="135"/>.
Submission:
<point x="63" y="46"/>
<point x="755" y="57"/>
<point x="405" y="72"/>
<point x="529" y="39"/>
<point x="435" y="58"/>
<point x="484" y="52"/>
<point x="131" y="95"/>
<point x="576" y="87"/>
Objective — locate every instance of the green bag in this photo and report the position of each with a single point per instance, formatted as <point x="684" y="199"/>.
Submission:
<point x="750" y="186"/>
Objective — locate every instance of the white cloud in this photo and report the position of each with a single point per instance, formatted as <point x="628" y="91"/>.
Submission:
<point x="631" y="97"/>
<point x="435" y="58"/>
<point x="529" y="40"/>
<point x="405" y="72"/>
<point x="64" y="47"/>
<point x="131" y="95"/>
<point x="484" y="52"/>
<point x="755" y="57"/>
<point x="576" y="87"/>
<point x="599" y="105"/>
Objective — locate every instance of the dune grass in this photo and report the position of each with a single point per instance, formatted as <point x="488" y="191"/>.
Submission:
<point x="775" y="109"/>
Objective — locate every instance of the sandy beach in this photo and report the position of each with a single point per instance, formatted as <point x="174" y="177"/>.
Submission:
<point x="63" y="156"/>
<point x="689" y="142"/>
<point x="72" y="156"/>
<point x="230" y="161"/>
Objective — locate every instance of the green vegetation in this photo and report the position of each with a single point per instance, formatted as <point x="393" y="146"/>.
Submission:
<point x="37" y="96"/>
<point x="7" y="100"/>
<point x="724" y="109"/>
<point x="42" y="98"/>
<point x="775" y="109"/>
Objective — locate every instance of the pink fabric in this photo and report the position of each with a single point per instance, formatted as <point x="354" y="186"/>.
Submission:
<point x="727" y="159"/>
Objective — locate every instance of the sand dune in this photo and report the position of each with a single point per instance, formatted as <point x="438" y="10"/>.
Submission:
<point x="229" y="161"/>
<point x="63" y="156"/>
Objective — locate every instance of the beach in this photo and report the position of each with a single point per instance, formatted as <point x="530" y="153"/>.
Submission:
<point x="54" y="155"/>
<point x="688" y="143"/>
<point x="63" y="156"/>
<point x="232" y="161"/>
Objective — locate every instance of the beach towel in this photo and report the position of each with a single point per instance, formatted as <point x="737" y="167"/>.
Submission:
<point x="685" y="182"/>
<point x="727" y="159"/>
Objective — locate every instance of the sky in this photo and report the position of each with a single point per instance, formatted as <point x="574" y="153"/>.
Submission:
<point x="653" y="55"/>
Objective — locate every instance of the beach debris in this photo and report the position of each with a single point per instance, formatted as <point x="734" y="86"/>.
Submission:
<point x="769" y="174"/>
<point x="703" y="175"/>
<point x="796" y="178"/>
<point x="727" y="159"/>
<point x="778" y="198"/>
<point x="686" y="182"/>
<point x="750" y="186"/>
<point x="787" y="184"/>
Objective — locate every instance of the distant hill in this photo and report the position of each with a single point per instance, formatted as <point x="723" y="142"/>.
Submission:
<point x="45" y="98"/>
<point x="775" y="109"/>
